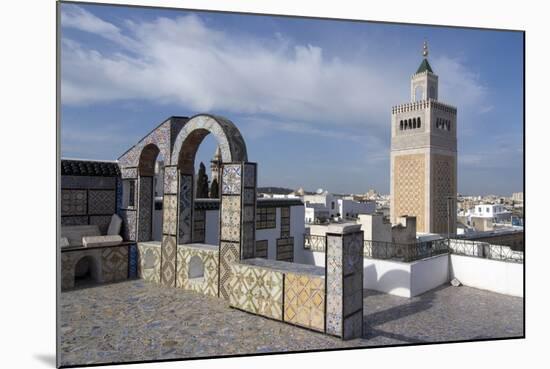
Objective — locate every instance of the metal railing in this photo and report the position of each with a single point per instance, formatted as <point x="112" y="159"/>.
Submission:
<point x="485" y="250"/>
<point x="420" y="250"/>
<point x="314" y="242"/>
<point x="405" y="251"/>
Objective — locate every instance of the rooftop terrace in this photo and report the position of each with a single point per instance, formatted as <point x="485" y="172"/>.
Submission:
<point x="138" y="321"/>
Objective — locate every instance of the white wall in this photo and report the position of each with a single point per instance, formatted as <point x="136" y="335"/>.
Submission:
<point x="486" y="274"/>
<point x="394" y="277"/>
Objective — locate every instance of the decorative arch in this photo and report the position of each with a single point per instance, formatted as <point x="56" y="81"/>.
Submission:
<point x="146" y="173"/>
<point x="238" y="195"/>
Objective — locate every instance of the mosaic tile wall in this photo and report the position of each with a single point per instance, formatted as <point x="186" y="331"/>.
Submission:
<point x="237" y="219"/>
<point x="111" y="264"/>
<point x="304" y="301"/>
<point x="114" y="263"/>
<point x="133" y="261"/>
<point x="148" y="264"/>
<point x="145" y="209"/>
<point x="257" y="290"/>
<point x="344" y="278"/>
<point x="185" y="209"/>
<point x="88" y="200"/>
<point x="208" y="284"/>
<point x="168" y="260"/>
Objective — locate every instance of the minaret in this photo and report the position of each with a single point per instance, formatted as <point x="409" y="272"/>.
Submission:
<point x="215" y="164"/>
<point x="423" y="156"/>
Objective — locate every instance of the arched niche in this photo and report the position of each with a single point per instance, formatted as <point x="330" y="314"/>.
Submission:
<point x="238" y="180"/>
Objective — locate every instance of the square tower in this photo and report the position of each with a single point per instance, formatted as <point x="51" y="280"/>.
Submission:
<point x="423" y="156"/>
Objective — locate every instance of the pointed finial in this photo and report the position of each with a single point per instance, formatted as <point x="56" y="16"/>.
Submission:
<point x="425" y="49"/>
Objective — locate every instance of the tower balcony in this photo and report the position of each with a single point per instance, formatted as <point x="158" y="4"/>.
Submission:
<point x="423" y="104"/>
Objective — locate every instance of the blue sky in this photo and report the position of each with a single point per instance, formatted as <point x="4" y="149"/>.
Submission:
<point x="312" y="98"/>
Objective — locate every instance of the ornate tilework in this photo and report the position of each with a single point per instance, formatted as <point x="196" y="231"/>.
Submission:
<point x="118" y="195"/>
<point x="160" y="137"/>
<point x="76" y="220"/>
<point x="231" y="179"/>
<point x="170" y="215"/>
<point x="128" y="173"/>
<point x="145" y="221"/>
<point x="102" y="221"/>
<point x="69" y="261"/>
<point x="170" y="180"/>
<point x="101" y="202"/>
<point x="90" y="182"/>
<point x="186" y="208"/>
<point x="248" y="213"/>
<point x="305" y="301"/>
<point x="248" y="238"/>
<point x="168" y="261"/>
<point x="249" y="179"/>
<point x="114" y="263"/>
<point x="334" y="285"/>
<point x="229" y="254"/>
<point x="149" y="259"/>
<point x="128" y="225"/>
<point x="285" y="249"/>
<point x="73" y="202"/>
<point x="257" y="290"/>
<point x="132" y="261"/>
<point x="249" y="196"/>
<point x="231" y="218"/>
<point x="208" y="284"/>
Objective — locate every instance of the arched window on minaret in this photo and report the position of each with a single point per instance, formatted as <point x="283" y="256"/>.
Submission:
<point x="414" y="123"/>
<point x="418" y="123"/>
<point x="401" y="125"/>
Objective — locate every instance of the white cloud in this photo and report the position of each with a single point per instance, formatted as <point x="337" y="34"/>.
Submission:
<point x="184" y="61"/>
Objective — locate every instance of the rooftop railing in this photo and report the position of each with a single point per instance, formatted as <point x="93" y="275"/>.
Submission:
<point x="408" y="252"/>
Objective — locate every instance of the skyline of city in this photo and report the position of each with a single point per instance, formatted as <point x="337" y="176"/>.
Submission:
<point x="335" y="140"/>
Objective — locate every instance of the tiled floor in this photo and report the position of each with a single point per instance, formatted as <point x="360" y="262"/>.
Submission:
<point x="137" y="320"/>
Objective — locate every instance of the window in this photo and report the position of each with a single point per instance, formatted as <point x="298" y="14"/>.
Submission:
<point x="332" y="205"/>
<point x="265" y="218"/>
<point x="414" y="123"/>
<point x="401" y="125"/>
<point x="418" y="123"/>
<point x="487" y="210"/>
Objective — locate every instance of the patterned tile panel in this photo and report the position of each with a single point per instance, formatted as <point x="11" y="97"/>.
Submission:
<point x="132" y="261"/>
<point x="248" y="238"/>
<point x="256" y="290"/>
<point x="208" y="283"/>
<point x="409" y="188"/>
<point x="248" y="213"/>
<point x="249" y="179"/>
<point x="231" y="179"/>
<point x="231" y="218"/>
<point x="145" y="199"/>
<point x="114" y="263"/>
<point x="170" y="215"/>
<point x="185" y="208"/>
<point x="160" y="137"/>
<point x="74" y="220"/>
<point x="149" y="259"/>
<point x="128" y="224"/>
<point x="118" y="195"/>
<point x="102" y="221"/>
<point x="101" y="202"/>
<point x="305" y="301"/>
<point x="170" y="180"/>
<point x="73" y="202"/>
<point x="168" y="261"/>
<point x="249" y="196"/>
<point x="334" y="286"/>
<point x="128" y="173"/>
<point x="229" y="254"/>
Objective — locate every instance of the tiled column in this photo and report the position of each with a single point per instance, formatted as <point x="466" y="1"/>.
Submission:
<point x="237" y="218"/>
<point x="145" y="208"/>
<point x="344" y="281"/>
<point x="169" y="227"/>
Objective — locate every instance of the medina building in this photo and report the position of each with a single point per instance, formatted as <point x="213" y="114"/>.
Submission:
<point x="424" y="156"/>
